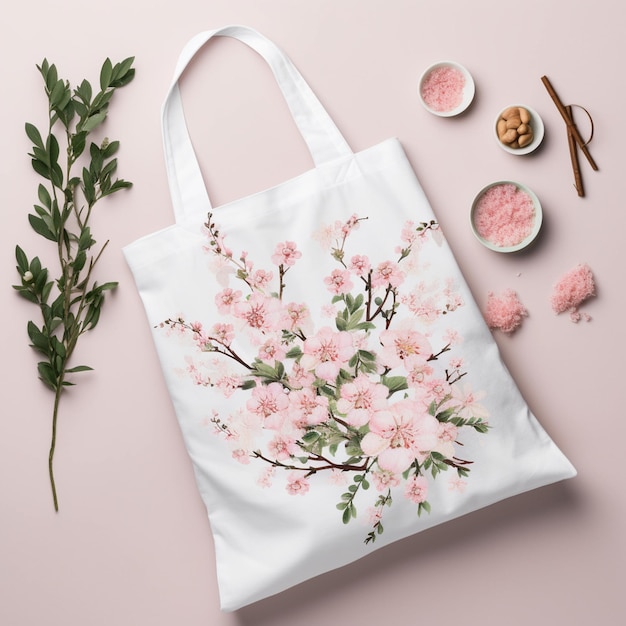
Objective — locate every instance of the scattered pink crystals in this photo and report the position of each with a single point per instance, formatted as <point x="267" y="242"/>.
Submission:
<point x="572" y="289"/>
<point x="442" y="89"/>
<point x="504" y="312"/>
<point x="504" y="215"/>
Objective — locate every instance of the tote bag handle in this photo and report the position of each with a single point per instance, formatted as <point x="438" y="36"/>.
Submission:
<point x="322" y="137"/>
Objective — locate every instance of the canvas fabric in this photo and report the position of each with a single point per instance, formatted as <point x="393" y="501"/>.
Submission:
<point x="335" y="384"/>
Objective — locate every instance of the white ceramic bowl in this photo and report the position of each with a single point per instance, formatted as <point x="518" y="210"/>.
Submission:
<point x="468" y="90"/>
<point x="536" y="124"/>
<point x="536" y="224"/>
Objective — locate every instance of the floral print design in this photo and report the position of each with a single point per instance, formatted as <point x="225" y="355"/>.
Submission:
<point x="366" y="400"/>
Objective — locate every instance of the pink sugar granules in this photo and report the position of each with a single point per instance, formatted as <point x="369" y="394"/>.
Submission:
<point x="504" y="215"/>
<point x="442" y="89"/>
<point x="571" y="290"/>
<point x="504" y="312"/>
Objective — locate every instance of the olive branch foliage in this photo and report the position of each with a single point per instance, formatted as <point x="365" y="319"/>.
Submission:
<point x="70" y="304"/>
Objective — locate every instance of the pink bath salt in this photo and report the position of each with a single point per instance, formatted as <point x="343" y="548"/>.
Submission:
<point x="442" y="89"/>
<point x="571" y="290"/>
<point x="504" y="312"/>
<point x="504" y="215"/>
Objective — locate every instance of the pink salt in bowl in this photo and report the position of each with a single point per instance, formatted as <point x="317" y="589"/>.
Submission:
<point x="446" y="89"/>
<point x="506" y="216"/>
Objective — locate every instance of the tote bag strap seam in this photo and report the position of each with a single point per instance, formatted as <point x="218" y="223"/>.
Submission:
<point x="322" y="137"/>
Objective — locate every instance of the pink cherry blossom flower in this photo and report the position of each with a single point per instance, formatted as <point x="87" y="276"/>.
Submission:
<point x="416" y="489"/>
<point x="281" y="447"/>
<point x="327" y="352"/>
<point x="259" y="312"/>
<point x="241" y="455"/>
<point x="286" y="254"/>
<point x="297" y="315"/>
<point x="226" y="299"/>
<point x="300" y="378"/>
<point x="338" y="478"/>
<point x="453" y="297"/>
<point x="422" y="303"/>
<point x="361" y="399"/>
<point x="418" y="373"/>
<point x="265" y="479"/>
<point x="306" y="408"/>
<point x="339" y="282"/>
<point x="223" y="333"/>
<point x="408" y="234"/>
<point x="456" y="364"/>
<point x="452" y="337"/>
<point x="457" y="484"/>
<point x="360" y="265"/>
<point x="384" y="479"/>
<point x="268" y="400"/>
<point x="404" y="347"/>
<point x="271" y="350"/>
<point x="297" y="484"/>
<point x="386" y="274"/>
<point x="399" y="436"/>
<point x="447" y="432"/>
<point x="350" y="225"/>
<point x="228" y="385"/>
<point x="437" y="388"/>
<point x="374" y="515"/>
<point x="467" y="402"/>
<point x="260" y="279"/>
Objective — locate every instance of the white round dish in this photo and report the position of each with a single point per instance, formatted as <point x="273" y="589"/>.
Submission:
<point x="469" y="89"/>
<point x="536" y="124"/>
<point x="536" y="224"/>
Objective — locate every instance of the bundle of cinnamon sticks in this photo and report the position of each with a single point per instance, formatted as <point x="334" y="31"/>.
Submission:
<point x="574" y="137"/>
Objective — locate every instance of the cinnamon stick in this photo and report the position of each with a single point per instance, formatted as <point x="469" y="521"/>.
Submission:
<point x="569" y="121"/>
<point x="573" y="151"/>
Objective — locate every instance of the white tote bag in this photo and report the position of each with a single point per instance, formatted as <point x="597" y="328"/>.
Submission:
<point x="334" y="381"/>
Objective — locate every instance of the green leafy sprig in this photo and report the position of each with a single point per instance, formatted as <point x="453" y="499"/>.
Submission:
<point x="71" y="303"/>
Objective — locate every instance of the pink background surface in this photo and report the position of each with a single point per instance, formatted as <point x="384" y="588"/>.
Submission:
<point x="131" y="544"/>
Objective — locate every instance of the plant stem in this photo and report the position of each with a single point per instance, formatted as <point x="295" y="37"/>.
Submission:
<point x="55" y="413"/>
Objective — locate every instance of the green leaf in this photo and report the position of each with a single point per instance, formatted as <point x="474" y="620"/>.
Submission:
<point x="40" y="227"/>
<point x="78" y="143"/>
<point x="34" y="135"/>
<point x="84" y="91"/>
<point x="311" y="437"/>
<point x="106" y="74"/>
<point x="92" y="121"/>
<point x="110" y="149"/>
<point x="347" y="515"/>
<point x="79" y="368"/>
<point x="26" y="293"/>
<point x="122" y="69"/>
<point x="394" y="383"/>
<point x="294" y="353"/>
<point x="22" y="260"/>
<point x="46" y="374"/>
<point x="39" y="340"/>
<point x="79" y="261"/>
<point x="41" y="168"/>
<point x="44" y="196"/>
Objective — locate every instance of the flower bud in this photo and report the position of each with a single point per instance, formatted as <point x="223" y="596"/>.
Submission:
<point x="28" y="276"/>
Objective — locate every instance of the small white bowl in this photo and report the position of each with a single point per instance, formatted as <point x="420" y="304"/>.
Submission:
<point x="536" y="224"/>
<point x="469" y="89"/>
<point x="536" y="124"/>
